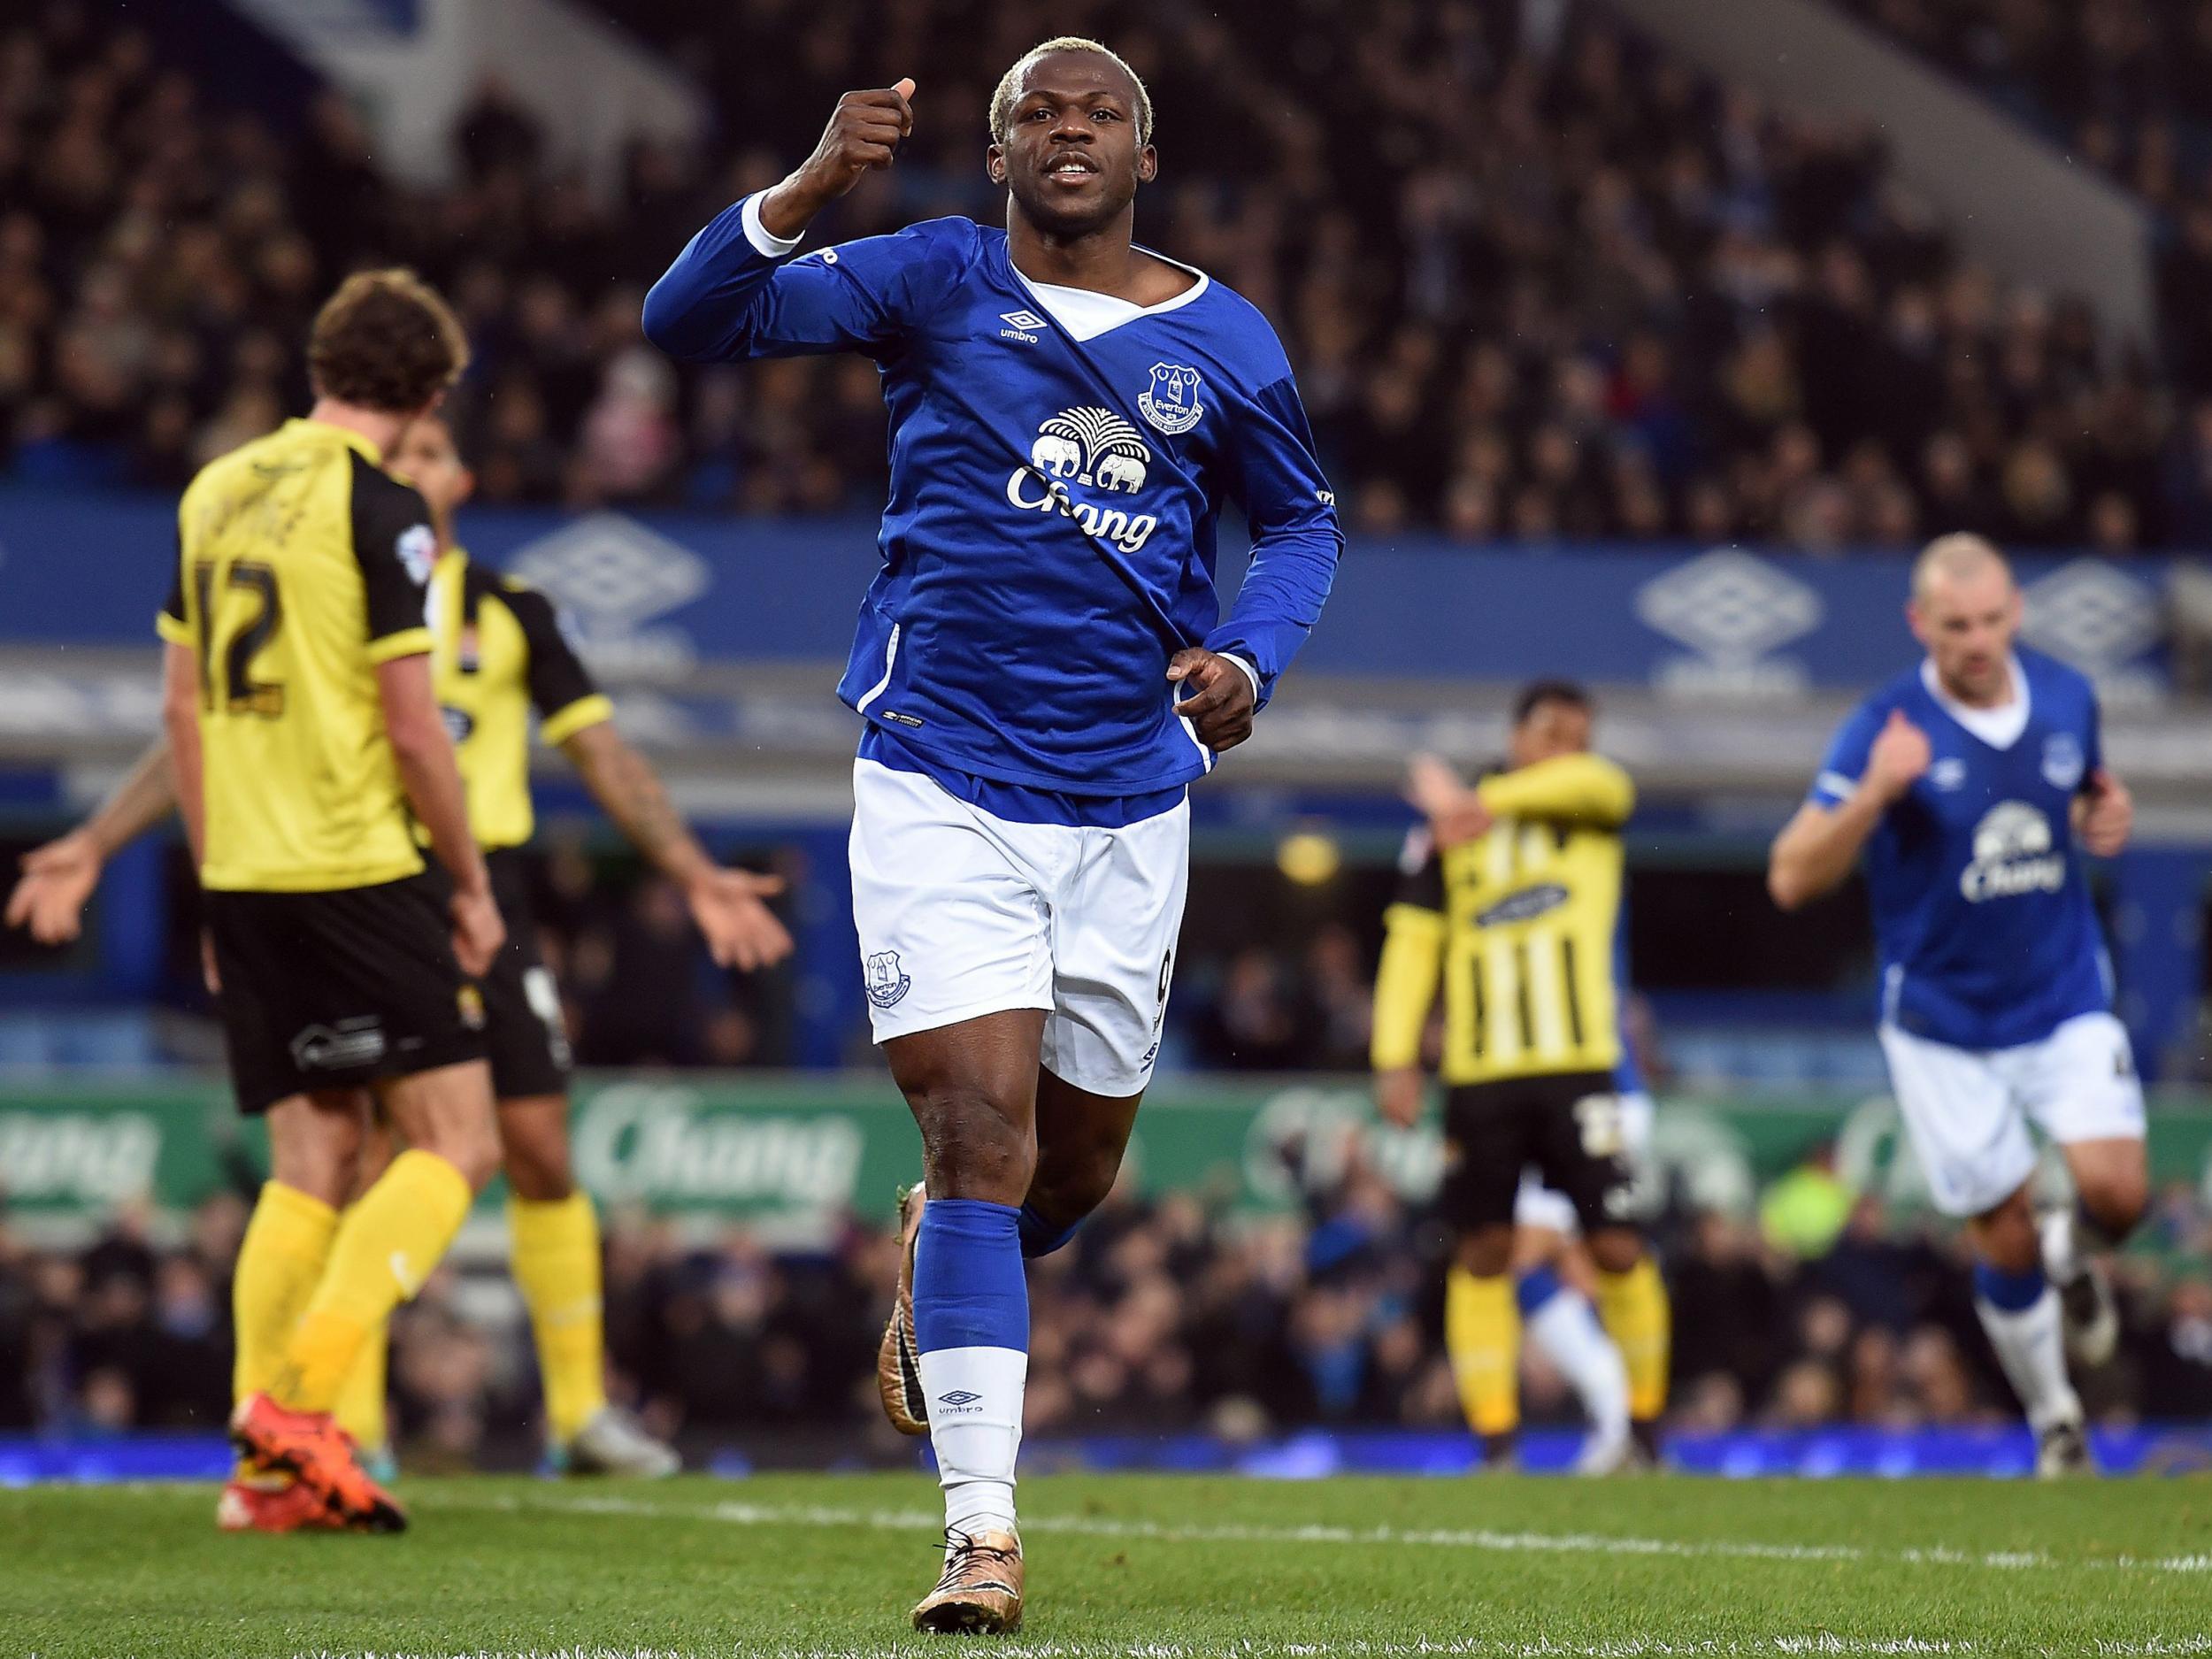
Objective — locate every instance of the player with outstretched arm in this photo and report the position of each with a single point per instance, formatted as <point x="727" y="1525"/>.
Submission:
<point x="1971" y="785"/>
<point x="1043" y="669"/>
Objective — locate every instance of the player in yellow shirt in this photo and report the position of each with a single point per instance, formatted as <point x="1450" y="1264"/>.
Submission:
<point x="306" y="746"/>
<point x="1511" y="902"/>
<point x="498" y="655"/>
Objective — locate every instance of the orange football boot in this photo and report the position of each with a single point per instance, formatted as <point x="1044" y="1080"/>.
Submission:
<point x="320" y="1457"/>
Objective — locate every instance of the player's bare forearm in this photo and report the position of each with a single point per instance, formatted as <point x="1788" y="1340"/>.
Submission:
<point x="863" y="133"/>
<point x="1817" y="849"/>
<point x="631" y="793"/>
<point x="428" y="772"/>
<point x="180" y="721"/>
<point x="60" y="878"/>
<point x="147" y="794"/>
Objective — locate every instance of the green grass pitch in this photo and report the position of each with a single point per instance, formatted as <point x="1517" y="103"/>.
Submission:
<point x="1131" y="1567"/>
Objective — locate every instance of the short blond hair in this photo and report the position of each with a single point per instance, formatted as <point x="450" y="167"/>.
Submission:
<point x="1960" y="554"/>
<point x="1009" y="84"/>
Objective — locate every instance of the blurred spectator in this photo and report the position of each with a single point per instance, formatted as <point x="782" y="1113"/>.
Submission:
<point x="1161" y="1316"/>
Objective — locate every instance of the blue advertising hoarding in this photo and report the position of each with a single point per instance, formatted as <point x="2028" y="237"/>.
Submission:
<point x="665" y="591"/>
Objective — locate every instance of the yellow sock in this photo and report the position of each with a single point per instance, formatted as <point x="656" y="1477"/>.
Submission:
<point x="279" y="1261"/>
<point x="556" y="1266"/>
<point x="1638" y="1317"/>
<point x="385" y="1247"/>
<point x="1482" y="1332"/>
<point x="359" y="1406"/>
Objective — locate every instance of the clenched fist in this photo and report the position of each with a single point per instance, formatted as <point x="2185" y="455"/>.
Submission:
<point x="1900" y="755"/>
<point x="863" y="133"/>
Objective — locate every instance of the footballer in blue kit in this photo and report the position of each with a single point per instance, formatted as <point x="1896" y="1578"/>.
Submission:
<point x="1042" y="666"/>
<point x="1968" y="789"/>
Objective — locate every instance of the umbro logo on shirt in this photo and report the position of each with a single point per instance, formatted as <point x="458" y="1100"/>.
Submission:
<point x="1022" y="325"/>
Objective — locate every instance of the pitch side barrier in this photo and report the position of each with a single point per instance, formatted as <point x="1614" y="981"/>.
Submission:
<point x="2000" y="1451"/>
<point x="793" y="1155"/>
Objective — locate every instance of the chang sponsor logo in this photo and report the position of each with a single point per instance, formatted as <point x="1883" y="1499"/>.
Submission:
<point x="78" y="1157"/>
<point x="1087" y="450"/>
<point x="2013" y="854"/>
<point x="649" y="1144"/>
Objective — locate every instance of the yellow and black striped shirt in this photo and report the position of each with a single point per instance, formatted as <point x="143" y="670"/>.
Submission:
<point x="1518" y="925"/>
<point x="499" y="654"/>
<point x="301" y="566"/>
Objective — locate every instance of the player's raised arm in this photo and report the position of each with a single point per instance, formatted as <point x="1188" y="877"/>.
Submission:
<point x="734" y="292"/>
<point x="1567" y="788"/>
<point x="1868" y="771"/>
<point x="59" y="877"/>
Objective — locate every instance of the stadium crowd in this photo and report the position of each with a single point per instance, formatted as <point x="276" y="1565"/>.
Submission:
<point x="1162" y="1315"/>
<point x="2124" y="85"/>
<point x="1602" y="295"/>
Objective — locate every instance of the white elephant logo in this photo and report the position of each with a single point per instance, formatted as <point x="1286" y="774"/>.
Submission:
<point x="1095" y="447"/>
<point x="1121" y="471"/>
<point x="1063" y="457"/>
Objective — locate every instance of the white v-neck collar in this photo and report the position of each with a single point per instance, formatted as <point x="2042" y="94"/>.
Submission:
<point x="1999" y="728"/>
<point x="1085" y="313"/>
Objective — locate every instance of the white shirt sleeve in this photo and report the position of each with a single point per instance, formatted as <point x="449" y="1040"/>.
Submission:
<point x="756" y="232"/>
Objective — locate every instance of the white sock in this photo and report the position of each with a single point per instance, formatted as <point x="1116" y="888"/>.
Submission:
<point x="2029" y="1348"/>
<point x="975" y="1426"/>
<point x="1566" y="1328"/>
<point x="2062" y="1250"/>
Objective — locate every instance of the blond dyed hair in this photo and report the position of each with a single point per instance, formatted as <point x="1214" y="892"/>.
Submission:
<point x="1009" y="84"/>
<point x="1957" y="556"/>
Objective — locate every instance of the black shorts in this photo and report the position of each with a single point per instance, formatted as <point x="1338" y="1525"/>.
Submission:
<point x="336" y="989"/>
<point x="1567" y="1128"/>
<point x="524" y="1033"/>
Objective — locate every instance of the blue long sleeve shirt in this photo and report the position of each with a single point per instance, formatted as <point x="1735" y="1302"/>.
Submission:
<point x="1058" y="463"/>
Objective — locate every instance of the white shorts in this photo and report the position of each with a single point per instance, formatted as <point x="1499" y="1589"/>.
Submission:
<point x="962" y="914"/>
<point x="1967" y="1112"/>
<point x="1537" y="1205"/>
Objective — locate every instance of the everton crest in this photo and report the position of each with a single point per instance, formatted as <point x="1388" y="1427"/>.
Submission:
<point x="886" y="984"/>
<point x="1171" y="403"/>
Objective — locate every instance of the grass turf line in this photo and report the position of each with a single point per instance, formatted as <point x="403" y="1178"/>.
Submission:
<point x="1135" y="1567"/>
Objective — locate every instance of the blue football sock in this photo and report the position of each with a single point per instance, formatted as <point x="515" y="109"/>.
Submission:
<point x="1536" y="1287"/>
<point x="1041" y="1237"/>
<point x="972" y="1329"/>
<point x="2010" y="1293"/>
